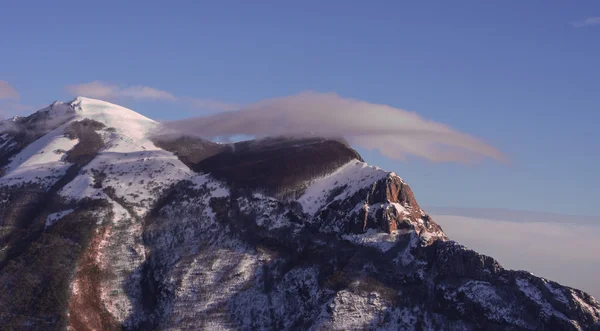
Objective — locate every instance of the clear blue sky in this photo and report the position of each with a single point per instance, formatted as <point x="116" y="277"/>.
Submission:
<point x="517" y="74"/>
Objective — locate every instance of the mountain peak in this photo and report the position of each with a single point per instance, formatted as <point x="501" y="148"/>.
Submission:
<point x="112" y="115"/>
<point x="104" y="227"/>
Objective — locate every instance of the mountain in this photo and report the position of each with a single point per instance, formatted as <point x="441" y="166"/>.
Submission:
<point x="106" y="225"/>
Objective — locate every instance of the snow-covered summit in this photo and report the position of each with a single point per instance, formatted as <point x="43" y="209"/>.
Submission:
<point x="129" y="161"/>
<point x="59" y="108"/>
<point x="127" y="121"/>
<point x="134" y="125"/>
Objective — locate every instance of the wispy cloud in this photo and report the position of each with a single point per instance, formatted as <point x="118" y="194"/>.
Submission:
<point x="212" y="105"/>
<point x="9" y="108"/>
<point x="7" y="91"/>
<point x="590" y="21"/>
<point x="100" y="90"/>
<point x="519" y="216"/>
<point x="10" y="101"/>
<point x="110" y="92"/>
<point x="565" y="251"/>
<point x="394" y="132"/>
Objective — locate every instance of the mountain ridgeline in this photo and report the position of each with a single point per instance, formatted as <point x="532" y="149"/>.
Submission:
<point x="105" y="225"/>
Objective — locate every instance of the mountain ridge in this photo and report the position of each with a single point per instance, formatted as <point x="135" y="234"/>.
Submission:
<point x="115" y="228"/>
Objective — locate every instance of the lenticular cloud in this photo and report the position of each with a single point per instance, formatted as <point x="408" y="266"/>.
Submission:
<point x="396" y="133"/>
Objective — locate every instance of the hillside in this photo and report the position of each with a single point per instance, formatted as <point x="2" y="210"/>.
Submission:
<point x="105" y="226"/>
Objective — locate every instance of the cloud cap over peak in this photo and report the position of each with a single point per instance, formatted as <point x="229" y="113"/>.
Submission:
<point x="396" y="133"/>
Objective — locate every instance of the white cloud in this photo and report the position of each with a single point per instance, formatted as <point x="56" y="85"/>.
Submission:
<point x="590" y="21"/>
<point x="395" y="132"/>
<point x="566" y="252"/>
<point x="212" y="105"/>
<point x="145" y="92"/>
<point x="7" y="91"/>
<point x="100" y="90"/>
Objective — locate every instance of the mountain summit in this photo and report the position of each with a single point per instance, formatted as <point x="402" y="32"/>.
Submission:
<point x="106" y="225"/>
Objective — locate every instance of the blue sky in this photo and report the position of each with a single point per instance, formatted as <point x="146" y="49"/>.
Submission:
<point x="520" y="75"/>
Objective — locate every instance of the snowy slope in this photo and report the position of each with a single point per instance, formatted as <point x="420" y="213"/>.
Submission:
<point x="134" y="166"/>
<point x="354" y="175"/>
<point x="126" y="121"/>
<point x="42" y="161"/>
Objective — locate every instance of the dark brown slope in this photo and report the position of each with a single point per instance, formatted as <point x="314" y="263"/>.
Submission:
<point x="273" y="166"/>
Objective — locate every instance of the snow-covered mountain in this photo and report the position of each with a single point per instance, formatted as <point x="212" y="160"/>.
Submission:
<point x="106" y="225"/>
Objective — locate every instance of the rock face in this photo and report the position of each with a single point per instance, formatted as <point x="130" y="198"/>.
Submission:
<point x="102" y="227"/>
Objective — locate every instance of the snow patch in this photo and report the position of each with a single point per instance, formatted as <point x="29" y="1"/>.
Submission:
<point x="485" y="295"/>
<point x="54" y="217"/>
<point x="533" y="293"/>
<point x="38" y="162"/>
<point x="407" y="257"/>
<point x="372" y="238"/>
<point x="354" y="174"/>
<point x="585" y="305"/>
<point x="557" y="293"/>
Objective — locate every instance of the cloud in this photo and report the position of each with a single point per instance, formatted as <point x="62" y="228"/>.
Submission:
<point x="105" y="91"/>
<point x="564" y="252"/>
<point x="7" y="91"/>
<point x="590" y="21"/>
<point x="100" y="90"/>
<point x="521" y="216"/>
<point x="212" y="105"/>
<point x="396" y="133"/>
<point x="9" y="108"/>
<point x="10" y="101"/>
